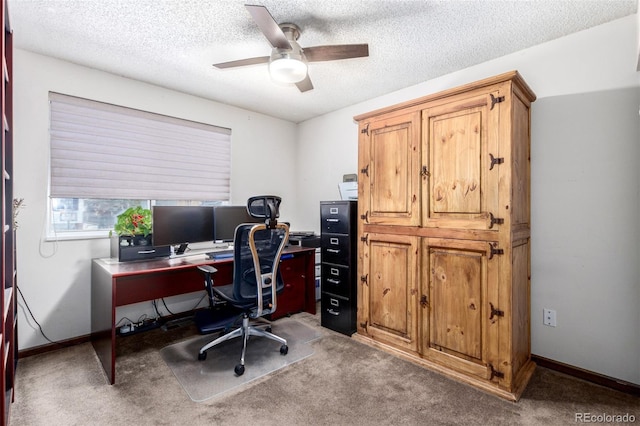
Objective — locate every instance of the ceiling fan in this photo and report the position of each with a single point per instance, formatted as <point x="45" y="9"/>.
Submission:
<point x="288" y="61"/>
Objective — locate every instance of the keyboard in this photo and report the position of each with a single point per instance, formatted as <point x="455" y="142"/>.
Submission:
<point x="220" y="254"/>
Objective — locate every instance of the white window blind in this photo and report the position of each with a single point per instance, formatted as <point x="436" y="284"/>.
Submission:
<point x="100" y="150"/>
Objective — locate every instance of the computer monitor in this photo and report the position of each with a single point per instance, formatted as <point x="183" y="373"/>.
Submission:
<point x="181" y="225"/>
<point x="227" y="218"/>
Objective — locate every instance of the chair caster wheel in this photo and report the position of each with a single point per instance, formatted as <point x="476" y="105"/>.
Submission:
<point x="202" y="356"/>
<point x="239" y="370"/>
<point x="284" y="349"/>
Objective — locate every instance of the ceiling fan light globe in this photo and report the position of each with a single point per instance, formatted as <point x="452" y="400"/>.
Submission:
<point x="287" y="70"/>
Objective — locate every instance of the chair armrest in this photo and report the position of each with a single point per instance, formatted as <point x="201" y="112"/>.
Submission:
<point x="207" y="269"/>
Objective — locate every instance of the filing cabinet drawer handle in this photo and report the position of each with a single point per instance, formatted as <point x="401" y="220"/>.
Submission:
<point x="333" y="220"/>
<point x="333" y="251"/>
<point x="332" y="312"/>
<point x="332" y="281"/>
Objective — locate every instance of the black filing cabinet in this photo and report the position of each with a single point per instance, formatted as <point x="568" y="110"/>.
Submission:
<point x="339" y="265"/>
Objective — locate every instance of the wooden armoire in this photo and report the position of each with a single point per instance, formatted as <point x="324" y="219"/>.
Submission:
<point x="444" y="232"/>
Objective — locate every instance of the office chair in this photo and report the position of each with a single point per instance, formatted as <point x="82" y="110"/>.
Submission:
<point x="256" y="276"/>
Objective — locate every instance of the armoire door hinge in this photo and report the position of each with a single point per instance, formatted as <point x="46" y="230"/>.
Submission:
<point x="495" y="220"/>
<point x="494" y="250"/>
<point x="365" y="216"/>
<point x="495" y="100"/>
<point x="424" y="172"/>
<point x="495" y="312"/>
<point x="364" y="279"/>
<point x="365" y="130"/>
<point x="365" y="170"/>
<point x="495" y="160"/>
<point x="495" y="373"/>
<point x="365" y="238"/>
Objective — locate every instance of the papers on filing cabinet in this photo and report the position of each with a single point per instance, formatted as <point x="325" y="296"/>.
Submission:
<point x="348" y="190"/>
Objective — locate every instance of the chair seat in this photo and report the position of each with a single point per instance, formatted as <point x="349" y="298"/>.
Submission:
<point x="225" y="292"/>
<point x="210" y="320"/>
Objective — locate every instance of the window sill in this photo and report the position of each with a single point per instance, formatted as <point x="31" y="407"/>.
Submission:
<point x="68" y="236"/>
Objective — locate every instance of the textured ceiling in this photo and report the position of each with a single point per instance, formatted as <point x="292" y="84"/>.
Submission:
<point x="173" y="43"/>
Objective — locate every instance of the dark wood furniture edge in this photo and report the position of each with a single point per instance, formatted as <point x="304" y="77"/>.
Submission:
<point x="590" y="376"/>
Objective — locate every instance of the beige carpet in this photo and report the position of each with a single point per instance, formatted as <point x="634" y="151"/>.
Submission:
<point x="215" y="375"/>
<point x="344" y="383"/>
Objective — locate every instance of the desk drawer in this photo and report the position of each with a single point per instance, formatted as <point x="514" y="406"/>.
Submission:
<point x="292" y="298"/>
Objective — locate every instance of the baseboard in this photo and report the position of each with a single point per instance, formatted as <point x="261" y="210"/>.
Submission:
<point x="36" y="350"/>
<point x="590" y="376"/>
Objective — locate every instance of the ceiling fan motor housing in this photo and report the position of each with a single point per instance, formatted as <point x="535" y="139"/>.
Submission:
<point x="288" y="65"/>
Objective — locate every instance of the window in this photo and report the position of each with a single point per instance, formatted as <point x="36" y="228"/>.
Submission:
<point x="106" y="158"/>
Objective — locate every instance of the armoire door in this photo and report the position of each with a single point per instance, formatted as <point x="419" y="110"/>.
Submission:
<point x="388" y="289"/>
<point x="462" y="154"/>
<point x="460" y="293"/>
<point x="389" y="161"/>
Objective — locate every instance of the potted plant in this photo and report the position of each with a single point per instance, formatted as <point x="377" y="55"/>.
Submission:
<point x="133" y="227"/>
<point x="134" y="221"/>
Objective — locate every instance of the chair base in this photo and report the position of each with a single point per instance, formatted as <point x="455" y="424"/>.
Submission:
<point x="245" y="331"/>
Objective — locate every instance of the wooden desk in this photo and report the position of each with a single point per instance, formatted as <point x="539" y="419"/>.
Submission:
<point x="116" y="284"/>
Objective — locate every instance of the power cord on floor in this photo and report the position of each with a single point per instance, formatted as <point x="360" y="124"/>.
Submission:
<point x="26" y="305"/>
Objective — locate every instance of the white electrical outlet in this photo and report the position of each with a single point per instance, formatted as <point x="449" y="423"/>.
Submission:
<point x="549" y="317"/>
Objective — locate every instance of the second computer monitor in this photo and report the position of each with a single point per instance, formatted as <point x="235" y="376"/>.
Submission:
<point x="227" y="218"/>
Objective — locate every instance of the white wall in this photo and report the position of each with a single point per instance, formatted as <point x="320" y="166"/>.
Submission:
<point x="55" y="277"/>
<point x="597" y="60"/>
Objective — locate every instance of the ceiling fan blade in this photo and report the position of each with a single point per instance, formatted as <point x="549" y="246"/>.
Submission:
<point x="268" y="26"/>
<point x="243" y="62"/>
<point x="335" y="52"/>
<point x="305" y="84"/>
